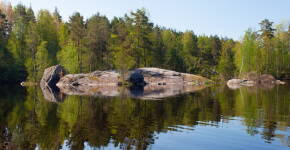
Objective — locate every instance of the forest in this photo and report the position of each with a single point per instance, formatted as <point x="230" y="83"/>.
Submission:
<point x="31" y="42"/>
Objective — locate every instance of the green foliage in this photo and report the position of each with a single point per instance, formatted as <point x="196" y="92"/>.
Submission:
<point x="189" y="52"/>
<point x="226" y="64"/>
<point x="42" y="59"/>
<point x="47" y="31"/>
<point x="158" y="50"/>
<point x="123" y="62"/>
<point x="68" y="57"/>
<point x="266" y="29"/>
<point x="32" y="41"/>
<point x="29" y="64"/>
<point x="97" y="41"/>
<point x="77" y="33"/>
<point x="62" y="34"/>
<point x="139" y="37"/>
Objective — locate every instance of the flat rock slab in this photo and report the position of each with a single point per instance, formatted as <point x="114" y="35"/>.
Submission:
<point x="110" y="77"/>
<point x="152" y="76"/>
<point x="157" y="76"/>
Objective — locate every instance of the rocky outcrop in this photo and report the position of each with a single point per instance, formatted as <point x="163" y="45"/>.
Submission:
<point x="252" y="79"/>
<point x="148" y="83"/>
<point x="241" y="82"/>
<point x="151" y="76"/>
<point x="157" y="76"/>
<point x="97" y="78"/>
<point x="52" y="75"/>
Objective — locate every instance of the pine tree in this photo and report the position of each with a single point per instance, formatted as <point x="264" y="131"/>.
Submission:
<point x="158" y="48"/>
<point x="97" y="39"/>
<point x="77" y="32"/>
<point x="267" y="33"/>
<point x="32" y="41"/>
<point x="140" y="34"/>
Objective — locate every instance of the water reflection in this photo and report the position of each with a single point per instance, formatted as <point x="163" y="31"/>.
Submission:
<point x="141" y="92"/>
<point x="29" y="121"/>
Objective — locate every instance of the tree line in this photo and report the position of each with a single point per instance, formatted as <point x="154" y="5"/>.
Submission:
<point x="30" y="43"/>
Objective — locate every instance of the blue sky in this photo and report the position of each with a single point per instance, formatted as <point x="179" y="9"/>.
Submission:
<point x="221" y="17"/>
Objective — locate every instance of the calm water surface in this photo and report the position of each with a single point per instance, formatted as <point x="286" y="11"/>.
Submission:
<point x="213" y="118"/>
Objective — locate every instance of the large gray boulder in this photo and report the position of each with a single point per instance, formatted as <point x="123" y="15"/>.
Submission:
<point x="136" y="79"/>
<point x="52" y="75"/>
<point x="266" y="79"/>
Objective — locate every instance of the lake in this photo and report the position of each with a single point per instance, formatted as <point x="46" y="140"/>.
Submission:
<point x="214" y="117"/>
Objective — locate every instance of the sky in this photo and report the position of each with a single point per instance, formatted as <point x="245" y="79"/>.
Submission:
<point x="225" y="18"/>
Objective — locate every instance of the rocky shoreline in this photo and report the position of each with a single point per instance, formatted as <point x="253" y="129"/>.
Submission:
<point x="252" y="79"/>
<point x="146" y="83"/>
<point x="152" y="76"/>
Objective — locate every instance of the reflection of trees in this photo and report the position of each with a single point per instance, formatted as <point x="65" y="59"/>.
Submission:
<point x="31" y="120"/>
<point x="28" y="120"/>
<point x="263" y="108"/>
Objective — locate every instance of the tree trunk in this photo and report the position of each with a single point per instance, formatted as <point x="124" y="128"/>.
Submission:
<point x="34" y="66"/>
<point x="78" y="51"/>
<point x="241" y="66"/>
<point x="144" y="56"/>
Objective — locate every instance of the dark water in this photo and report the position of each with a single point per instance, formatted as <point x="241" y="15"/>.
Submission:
<point x="213" y="118"/>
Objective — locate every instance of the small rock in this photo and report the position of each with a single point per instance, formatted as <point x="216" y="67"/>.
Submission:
<point x="120" y="83"/>
<point x="234" y="81"/>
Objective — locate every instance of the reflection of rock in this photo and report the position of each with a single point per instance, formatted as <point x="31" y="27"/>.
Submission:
<point x="234" y="86"/>
<point x="147" y="92"/>
<point x="136" y="90"/>
<point x="158" y="92"/>
<point x="51" y="93"/>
